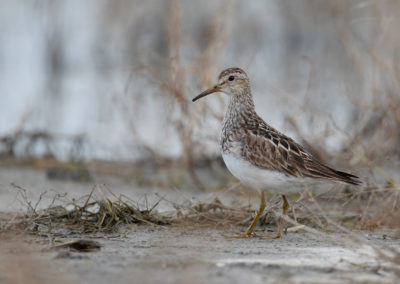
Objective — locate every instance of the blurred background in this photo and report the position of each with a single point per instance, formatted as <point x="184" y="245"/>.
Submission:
<point x="108" y="83"/>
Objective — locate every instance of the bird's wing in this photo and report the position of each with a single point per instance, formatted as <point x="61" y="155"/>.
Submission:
<point x="267" y="148"/>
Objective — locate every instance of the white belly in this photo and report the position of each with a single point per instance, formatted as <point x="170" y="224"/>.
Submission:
<point x="254" y="177"/>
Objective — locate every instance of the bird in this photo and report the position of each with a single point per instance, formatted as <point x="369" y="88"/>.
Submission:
<point x="260" y="156"/>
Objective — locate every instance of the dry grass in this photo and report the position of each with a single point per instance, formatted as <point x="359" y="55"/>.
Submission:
<point x="97" y="213"/>
<point x="372" y="147"/>
<point x="374" y="143"/>
<point x="174" y="85"/>
<point x="91" y="214"/>
<point x="87" y="215"/>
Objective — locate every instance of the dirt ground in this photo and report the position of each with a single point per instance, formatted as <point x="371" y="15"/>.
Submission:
<point x="178" y="254"/>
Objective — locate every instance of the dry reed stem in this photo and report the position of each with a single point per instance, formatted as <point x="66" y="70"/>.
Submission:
<point x="175" y="86"/>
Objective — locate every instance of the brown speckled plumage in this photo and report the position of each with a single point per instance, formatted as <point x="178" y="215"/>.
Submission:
<point x="264" y="146"/>
<point x="259" y="155"/>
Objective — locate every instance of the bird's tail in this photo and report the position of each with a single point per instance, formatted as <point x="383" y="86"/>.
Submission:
<point x="347" y="178"/>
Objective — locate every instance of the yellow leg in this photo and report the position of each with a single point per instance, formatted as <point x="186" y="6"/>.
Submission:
<point x="250" y="230"/>
<point x="281" y="222"/>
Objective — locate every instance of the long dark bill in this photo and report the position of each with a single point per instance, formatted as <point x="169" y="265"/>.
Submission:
<point x="207" y="92"/>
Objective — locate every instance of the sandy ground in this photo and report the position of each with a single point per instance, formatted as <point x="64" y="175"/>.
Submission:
<point x="169" y="254"/>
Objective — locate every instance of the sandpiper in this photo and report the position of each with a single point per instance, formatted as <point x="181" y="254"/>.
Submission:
<point x="260" y="156"/>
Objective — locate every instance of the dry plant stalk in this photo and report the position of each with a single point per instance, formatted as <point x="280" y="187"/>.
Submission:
<point x="175" y="87"/>
<point x="95" y="215"/>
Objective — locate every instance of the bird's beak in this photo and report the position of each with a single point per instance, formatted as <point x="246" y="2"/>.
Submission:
<point x="211" y="90"/>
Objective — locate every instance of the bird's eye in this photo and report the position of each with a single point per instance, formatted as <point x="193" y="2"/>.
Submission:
<point x="231" y="78"/>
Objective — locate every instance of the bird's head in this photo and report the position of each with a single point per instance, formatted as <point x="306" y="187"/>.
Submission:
<point x="231" y="81"/>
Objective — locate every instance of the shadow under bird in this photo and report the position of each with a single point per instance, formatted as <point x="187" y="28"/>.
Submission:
<point x="260" y="156"/>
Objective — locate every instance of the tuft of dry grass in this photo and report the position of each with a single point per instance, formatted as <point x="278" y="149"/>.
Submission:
<point x="90" y="216"/>
<point x="212" y="214"/>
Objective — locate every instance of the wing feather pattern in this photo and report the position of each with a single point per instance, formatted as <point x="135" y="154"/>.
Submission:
<point x="267" y="148"/>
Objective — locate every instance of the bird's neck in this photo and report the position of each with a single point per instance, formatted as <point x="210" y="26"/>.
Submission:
<point x="240" y="109"/>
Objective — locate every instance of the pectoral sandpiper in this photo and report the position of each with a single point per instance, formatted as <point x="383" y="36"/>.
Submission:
<point x="260" y="156"/>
